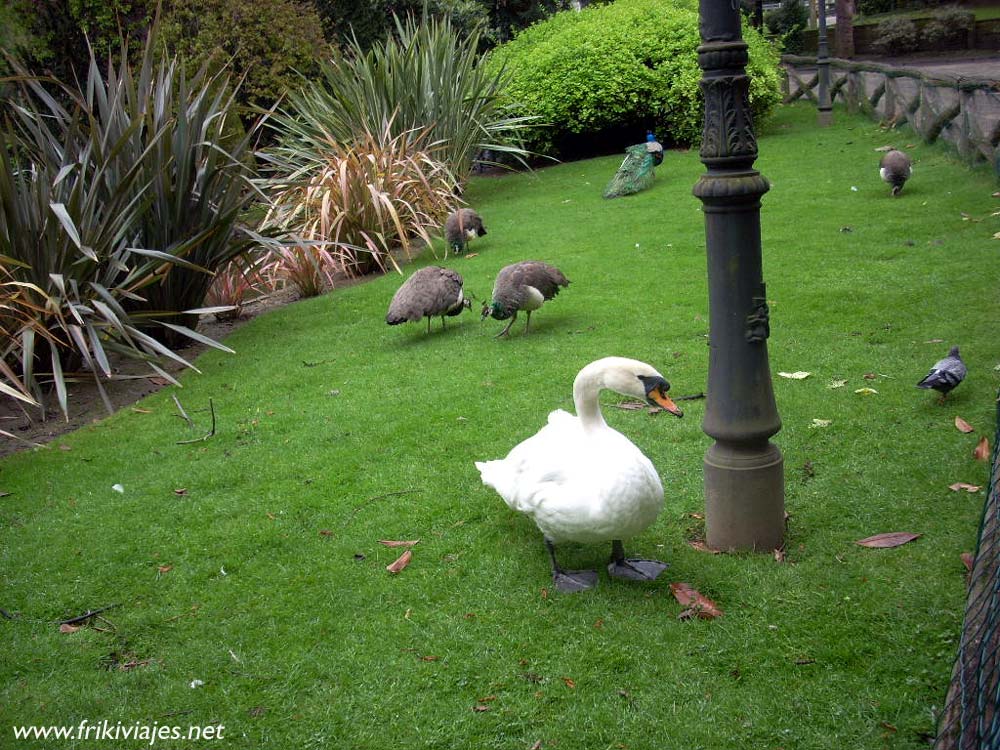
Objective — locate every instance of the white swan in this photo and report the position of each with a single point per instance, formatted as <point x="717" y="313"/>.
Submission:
<point x="582" y="481"/>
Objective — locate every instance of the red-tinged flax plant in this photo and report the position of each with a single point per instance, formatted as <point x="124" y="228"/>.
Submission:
<point x="350" y="207"/>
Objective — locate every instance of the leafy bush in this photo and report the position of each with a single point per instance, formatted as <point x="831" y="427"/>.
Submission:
<point x="895" y="35"/>
<point x="429" y="79"/>
<point x="789" y="23"/>
<point x="102" y="203"/>
<point x="267" y="40"/>
<point x="632" y="64"/>
<point x="949" y="27"/>
<point x="356" y="203"/>
<point x="874" y="7"/>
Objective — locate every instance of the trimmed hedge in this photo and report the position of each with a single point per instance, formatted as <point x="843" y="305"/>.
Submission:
<point x="620" y="68"/>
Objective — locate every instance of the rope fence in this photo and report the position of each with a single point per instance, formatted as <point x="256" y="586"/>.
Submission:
<point x="971" y="717"/>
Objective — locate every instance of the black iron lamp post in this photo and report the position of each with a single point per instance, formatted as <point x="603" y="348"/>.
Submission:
<point x="744" y="471"/>
<point x="824" y="116"/>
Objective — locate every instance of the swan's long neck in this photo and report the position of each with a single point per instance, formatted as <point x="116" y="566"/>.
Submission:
<point x="586" y="388"/>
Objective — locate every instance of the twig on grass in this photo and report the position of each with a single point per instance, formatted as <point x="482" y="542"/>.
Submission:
<point x="209" y="434"/>
<point x="86" y="615"/>
<point x="183" y="413"/>
<point x="376" y="498"/>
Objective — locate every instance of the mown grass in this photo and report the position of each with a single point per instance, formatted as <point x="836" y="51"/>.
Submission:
<point x="335" y="431"/>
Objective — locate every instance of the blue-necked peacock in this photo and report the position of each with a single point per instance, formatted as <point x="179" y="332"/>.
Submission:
<point x="636" y="170"/>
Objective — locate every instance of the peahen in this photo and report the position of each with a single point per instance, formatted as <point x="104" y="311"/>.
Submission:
<point x="428" y="292"/>
<point x="636" y="170"/>
<point x="462" y="225"/>
<point x="523" y="286"/>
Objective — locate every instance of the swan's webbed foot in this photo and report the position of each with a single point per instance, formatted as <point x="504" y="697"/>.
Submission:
<point x="633" y="569"/>
<point x="569" y="581"/>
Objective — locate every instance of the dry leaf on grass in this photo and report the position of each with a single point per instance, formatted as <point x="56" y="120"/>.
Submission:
<point x="962" y="426"/>
<point x="480" y="708"/>
<point x="401" y="562"/>
<point x="181" y="491"/>
<point x="396" y="543"/>
<point x="888" y="539"/>
<point x="66" y="628"/>
<point x="964" y="486"/>
<point x="837" y="383"/>
<point x="821" y="423"/>
<point x="779" y="555"/>
<point x="982" y="451"/>
<point x="569" y="682"/>
<point x="697" y="603"/>
<point x="967" y="560"/>
<point x="164" y="569"/>
<point x="797" y="375"/>
<point x="866" y="391"/>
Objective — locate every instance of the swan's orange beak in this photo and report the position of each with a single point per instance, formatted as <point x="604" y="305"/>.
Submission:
<point x="658" y="398"/>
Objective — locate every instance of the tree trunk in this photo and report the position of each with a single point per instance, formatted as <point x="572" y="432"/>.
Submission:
<point x="845" y="29"/>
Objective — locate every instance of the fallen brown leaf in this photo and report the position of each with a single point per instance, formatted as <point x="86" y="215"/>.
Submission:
<point x="599" y="623"/>
<point x="181" y="491"/>
<point x="140" y="410"/>
<point x="488" y="699"/>
<point x="545" y="593"/>
<point x="165" y="569"/>
<point x="569" y="683"/>
<point x="537" y="745"/>
<point x="982" y="451"/>
<point x="64" y="447"/>
<point x="64" y="628"/>
<point x="702" y="547"/>
<point x="471" y="255"/>
<point x="963" y="426"/>
<point x="401" y="562"/>
<point x="698" y="604"/>
<point x="888" y="539"/>
<point x="429" y="658"/>
<point x="257" y="711"/>
<point x="779" y="555"/>
<point x="272" y="516"/>
<point x="967" y="560"/>
<point x="158" y="381"/>
<point x="325" y="532"/>
<point x="964" y="486"/>
<point x="870" y="376"/>
<point x="480" y="708"/>
<point x="394" y="543"/>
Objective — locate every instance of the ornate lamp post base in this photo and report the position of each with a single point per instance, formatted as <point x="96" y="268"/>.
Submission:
<point x="744" y="497"/>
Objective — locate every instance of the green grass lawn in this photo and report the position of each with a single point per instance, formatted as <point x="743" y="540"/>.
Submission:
<point x="336" y="431"/>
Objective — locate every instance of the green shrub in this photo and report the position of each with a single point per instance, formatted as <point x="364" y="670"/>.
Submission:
<point x="949" y="27"/>
<point x="874" y="7"/>
<point x="895" y="36"/>
<point x="789" y="23"/>
<point x="267" y="41"/>
<point x="630" y="65"/>
<point x="114" y="211"/>
<point x="428" y="77"/>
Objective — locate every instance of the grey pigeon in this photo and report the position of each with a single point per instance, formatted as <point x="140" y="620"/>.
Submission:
<point x="895" y="169"/>
<point x="428" y="292"/>
<point x="946" y="373"/>
<point x="461" y="226"/>
<point x="523" y="286"/>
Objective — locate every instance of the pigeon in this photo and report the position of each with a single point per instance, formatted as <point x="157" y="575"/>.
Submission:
<point x="461" y="226"/>
<point x="895" y="169"/>
<point x="428" y="292"/>
<point x="946" y="374"/>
